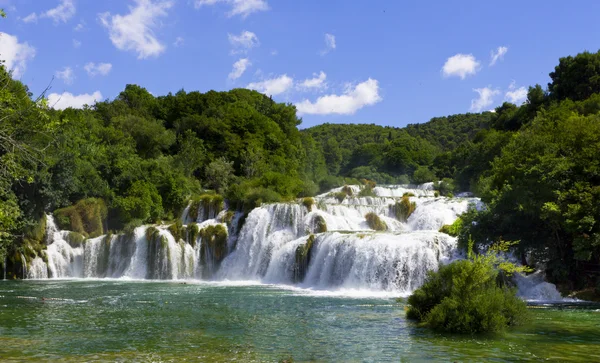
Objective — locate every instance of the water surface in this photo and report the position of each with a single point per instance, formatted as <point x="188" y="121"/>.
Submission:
<point x="119" y="320"/>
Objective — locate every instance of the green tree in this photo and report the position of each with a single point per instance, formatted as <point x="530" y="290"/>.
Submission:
<point x="576" y="78"/>
<point x="218" y="174"/>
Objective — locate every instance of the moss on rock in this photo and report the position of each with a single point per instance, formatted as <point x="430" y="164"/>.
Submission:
<point x="308" y="203"/>
<point x="86" y="217"/>
<point x="302" y="259"/>
<point x="375" y="222"/>
<point x="404" y="208"/>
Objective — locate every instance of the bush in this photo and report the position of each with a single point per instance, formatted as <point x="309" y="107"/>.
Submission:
<point x="348" y="190"/>
<point x="423" y="175"/>
<point x="404" y="208"/>
<point x="86" y="217"/>
<point x="446" y="187"/>
<point x="340" y="196"/>
<point x="453" y="229"/>
<point x="319" y="224"/>
<point x="375" y="222"/>
<point x="467" y="297"/>
<point x="308" y="203"/>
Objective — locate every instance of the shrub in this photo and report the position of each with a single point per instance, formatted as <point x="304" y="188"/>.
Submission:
<point x="453" y="229"/>
<point x="375" y="222"/>
<point x="131" y="226"/>
<point x="446" y="187"/>
<point x="423" y="175"/>
<point x="75" y="239"/>
<point x="87" y="217"/>
<point x="340" y="196"/>
<point x="467" y="297"/>
<point x="404" y="208"/>
<point x="348" y="190"/>
<point x="367" y="190"/>
<point x="177" y="231"/>
<point x="308" y="203"/>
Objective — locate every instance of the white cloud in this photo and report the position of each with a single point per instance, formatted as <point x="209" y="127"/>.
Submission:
<point x="485" y="100"/>
<point x="76" y="43"/>
<point x="274" y="86"/>
<point x="63" y="12"/>
<point x="239" y="68"/>
<point x="329" y="43"/>
<point x="353" y="99"/>
<point x="15" y="54"/>
<point x="243" y="42"/>
<point x="93" y="69"/>
<point x="31" y="18"/>
<point x="460" y="65"/>
<point x="135" y="31"/>
<point x="497" y="55"/>
<point x="238" y="7"/>
<point x="516" y="95"/>
<point x="66" y="100"/>
<point x="79" y="27"/>
<point x="178" y="42"/>
<point x="318" y="82"/>
<point x="66" y="75"/>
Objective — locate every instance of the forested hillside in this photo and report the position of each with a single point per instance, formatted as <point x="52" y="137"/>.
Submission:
<point x="140" y="159"/>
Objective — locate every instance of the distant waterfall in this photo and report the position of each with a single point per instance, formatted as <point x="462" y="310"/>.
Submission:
<point x="325" y="245"/>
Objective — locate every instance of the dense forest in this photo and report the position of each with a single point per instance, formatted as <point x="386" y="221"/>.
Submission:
<point x="140" y="159"/>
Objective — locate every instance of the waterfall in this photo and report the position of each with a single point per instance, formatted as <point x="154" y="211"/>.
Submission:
<point x="24" y="266"/>
<point x="325" y="245"/>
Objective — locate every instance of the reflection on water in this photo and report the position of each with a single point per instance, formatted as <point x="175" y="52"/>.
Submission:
<point x="174" y="321"/>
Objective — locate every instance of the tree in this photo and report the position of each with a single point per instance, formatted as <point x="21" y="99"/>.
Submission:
<point x="576" y="78"/>
<point x="218" y="174"/>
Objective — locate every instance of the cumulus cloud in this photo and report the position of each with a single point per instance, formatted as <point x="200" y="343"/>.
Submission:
<point x="273" y="86"/>
<point x="460" y="65"/>
<point x="238" y="7"/>
<point x="516" y="95"/>
<point x="65" y="100"/>
<point x="79" y="27"/>
<point x="239" y="68"/>
<point x="244" y="42"/>
<point x="94" y="69"/>
<point x="353" y="99"/>
<point x="497" y="55"/>
<point x="315" y="83"/>
<point x="15" y="54"/>
<point x="66" y="75"/>
<point x="135" y="31"/>
<point x="61" y="13"/>
<point x="485" y="99"/>
<point x="329" y="43"/>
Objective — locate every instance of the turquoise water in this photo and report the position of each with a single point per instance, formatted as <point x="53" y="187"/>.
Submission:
<point x="100" y="320"/>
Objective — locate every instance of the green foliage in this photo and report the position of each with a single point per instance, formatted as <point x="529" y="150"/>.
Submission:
<point x="453" y="229"/>
<point x="308" y="203"/>
<point x="404" y="208"/>
<point x="86" y="217"/>
<point x="423" y="175"/>
<point x="141" y="201"/>
<point x="446" y="187"/>
<point x="75" y="239"/>
<point x="214" y="243"/>
<point x="576" y="78"/>
<point x="375" y="222"/>
<point x="177" y="230"/>
<point x="218" y="174"/>
<point x="465" y="297"/>
<point x="340" y="196"/>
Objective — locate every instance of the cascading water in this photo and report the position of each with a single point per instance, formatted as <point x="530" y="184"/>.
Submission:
<point x="325" y="245"/>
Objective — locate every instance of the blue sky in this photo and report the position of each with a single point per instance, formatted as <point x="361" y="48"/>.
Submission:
<point x="384" y="62"/>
